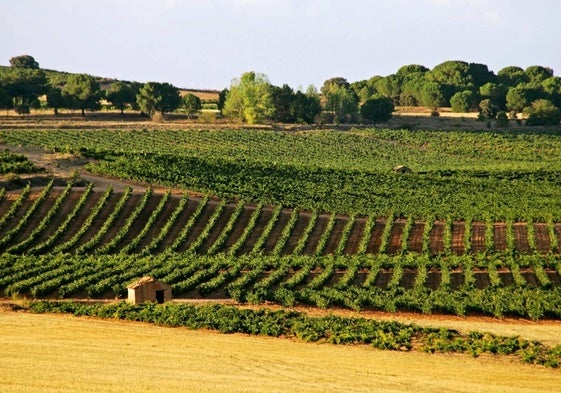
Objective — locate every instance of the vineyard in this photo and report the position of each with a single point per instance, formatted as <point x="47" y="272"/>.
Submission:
<point x="461" y="175"/>
<point x="64" y="242"/>
<point x="314" y="218"/>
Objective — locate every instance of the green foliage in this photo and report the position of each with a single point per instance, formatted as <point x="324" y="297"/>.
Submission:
<point x="340" y="100"/>
<point x="84" y="90"/>
<point x="377" y="109"/>
<point x="190" y="104"/>
<point x="487" y="109"/>
<point x="158" y="97"/>
<point x="462" y="101"/>
<point x="461" y="174"/>
<point x="542" y="113"/>
<point x="250" y="99"/>
<point x="24" y="61"/>
<point x="432" y="95"/>
<point x="120" y="95"/>
<point x="15" y="163"/>
<point x="512" y="76"/>
<point x="23" y="85"/>
<point x="518" y="98"/>
<point x="388" y="335"/>
<point x="501" y="119"/>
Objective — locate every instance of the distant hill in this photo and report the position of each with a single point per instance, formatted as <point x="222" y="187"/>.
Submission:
<point x="58" y="78"/>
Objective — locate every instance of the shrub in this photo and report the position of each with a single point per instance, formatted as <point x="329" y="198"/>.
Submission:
<point x="462" y="101"/>
<point x="542" y="113"/>
<point x="487" y="110"/>
<point x="377" y="109"/>
<point x="502" y="119"/>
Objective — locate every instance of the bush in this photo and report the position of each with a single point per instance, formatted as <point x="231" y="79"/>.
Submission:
<point x="462" y="101"/>
<point x="487" y="110"/>
<point x="377" y="109"/>
<point x="502" y="119"/>
<point x="542" y="113"/>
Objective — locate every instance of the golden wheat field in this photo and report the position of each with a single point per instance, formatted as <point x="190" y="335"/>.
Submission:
<point x="53" y="353"/>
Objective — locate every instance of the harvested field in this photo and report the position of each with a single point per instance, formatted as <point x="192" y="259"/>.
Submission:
<point x="61" y="353"/>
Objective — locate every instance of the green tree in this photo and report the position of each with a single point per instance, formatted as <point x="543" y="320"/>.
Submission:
<point x="24" y="61"/>
<point x="340" y="100"/>
<point x="23" y="85"/>
<point x="250" y="99"/>
<point x="463" y="101"/>
<point x="120" y="95"/>
<point x="377" y="109"/>
<point x="453" y="73"/>
<point x="306" y="106"/>
<point x="55" y="99"/>
<point x="283" y="98"/>
<point x="411" y="72"/>
<point x="487" y="109"/>
<point x="512" y="76"/>
<point x="480" y="74"/>
<point x="5" y="100"/>
<point x="494" y="91"/>
<point x="432" y="95"/>
<point x="552" y="87"/>
<point x="84" y="90"/>
<point x="517" y="98"/>
<point x="190" y="104"/>
<point x="158" y="97"/>
<point x="148" y="98"/>
<point x="390" y="87"/>
<point x="537" y="74"/>
<point x="542" y="113"/>
<point x="222" y="99"/>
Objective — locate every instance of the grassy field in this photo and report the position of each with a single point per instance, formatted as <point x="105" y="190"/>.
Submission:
<point x="48" y="353"/>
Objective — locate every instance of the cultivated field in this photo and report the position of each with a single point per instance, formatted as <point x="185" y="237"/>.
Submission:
<point x="290" y="218"/>
<point x="46" y="353"/>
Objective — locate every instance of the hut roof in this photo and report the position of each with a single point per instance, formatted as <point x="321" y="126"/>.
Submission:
<point x="146" y="280"/>
<point x="401" y="168"/>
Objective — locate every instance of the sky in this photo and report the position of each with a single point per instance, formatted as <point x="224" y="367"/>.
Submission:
<point x="205" y="44"/>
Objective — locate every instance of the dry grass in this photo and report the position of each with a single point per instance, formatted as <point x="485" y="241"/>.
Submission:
<point x="51" y="353"/>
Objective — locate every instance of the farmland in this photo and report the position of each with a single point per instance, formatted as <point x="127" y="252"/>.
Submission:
<point x="464" y="175"/>
<point x="312" y="218"/>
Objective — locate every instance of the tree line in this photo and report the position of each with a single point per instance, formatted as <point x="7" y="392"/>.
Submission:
<point x="465" y="87"/>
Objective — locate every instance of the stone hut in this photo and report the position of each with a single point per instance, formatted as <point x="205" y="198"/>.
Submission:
<point x="402" y="169"/>
<point x="148" y="289"/>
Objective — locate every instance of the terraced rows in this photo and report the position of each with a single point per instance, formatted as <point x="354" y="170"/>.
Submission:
<point x="84" y="221"/>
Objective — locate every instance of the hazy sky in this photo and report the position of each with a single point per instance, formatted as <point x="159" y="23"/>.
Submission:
<point x="207" y="43"/>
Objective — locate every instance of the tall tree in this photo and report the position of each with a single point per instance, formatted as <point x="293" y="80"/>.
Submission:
<point x="120" y="95"/>
<point x="340" y="100"/>
<point x="512" y="76"/>
<point x="55" y="99"/>
<point x="283" y="98"/>
<point x="453" y="73"/>
<point x="432" y="95"/>
<point x="190" y="104"/>
<point x="306" y="106"/>
<point x="160" y="97"/>
<point x="84" y="90"/>
<point x="23" y="85"/>
<point x="24" y="61"/>
<point x="552" y="87"/>
<point x="517" y="98"/>
<point x="390" y="87"/>
<point x="250" y="99"/>
<point x="537" y="74"/>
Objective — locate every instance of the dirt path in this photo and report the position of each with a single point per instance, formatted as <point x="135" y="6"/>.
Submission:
<point x="69" y="166"/>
